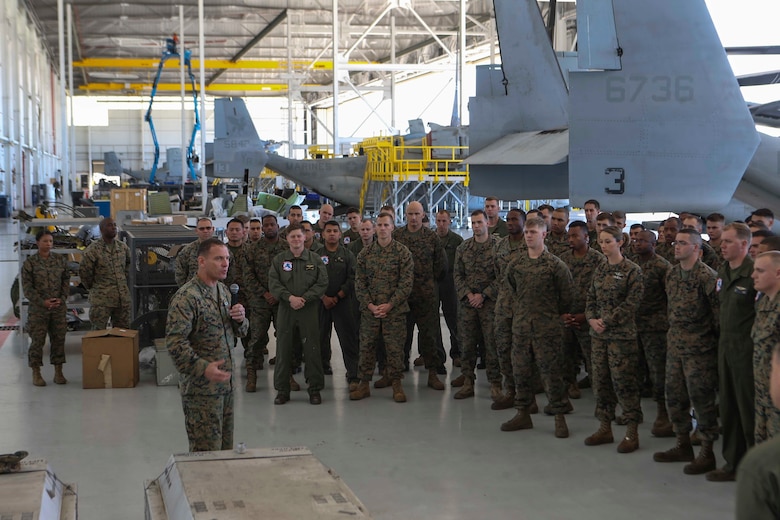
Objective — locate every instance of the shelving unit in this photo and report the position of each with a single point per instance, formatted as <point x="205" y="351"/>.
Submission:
<point x="24" y="253"/>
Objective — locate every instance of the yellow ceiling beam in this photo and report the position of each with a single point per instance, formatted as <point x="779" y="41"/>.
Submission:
<point x="151" y="63"/>
<point x="175" y="87"/>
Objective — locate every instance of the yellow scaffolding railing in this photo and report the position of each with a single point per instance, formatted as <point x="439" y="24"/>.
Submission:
<point x="390" y="159"/>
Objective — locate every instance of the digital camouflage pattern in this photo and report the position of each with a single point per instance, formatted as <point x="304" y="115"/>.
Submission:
<point x="476" y="271"/>
<point x="304" y="276"/>
<point x="199" y="330"/>
<point x="692" y="341"/>
<point x="44" y="278"/>
<point x="430" y="266"/>
<point x="103" y="271"/>
<point x="581" y="270"/>
<point x="614" y="297"/>
<point x="557" y="245"/>
<point x="236" y="272"/>
<point x="506" y="251"/>
<point x="766" y="336"/>
<point x="257" y="262"/>
<point x="383" y="275"/>
<point x="537" y="330"/>
<point x="187" y="263"/>
<point x="652" y="321"/>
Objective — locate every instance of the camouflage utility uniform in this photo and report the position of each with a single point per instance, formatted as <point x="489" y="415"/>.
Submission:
<point x="187" y="263"/>
<point x="766" y="336"/>
<point x="304" y="276"/>
<point x="582" y="270"/>
<point x="476" y="271"/>
<point x="258" y="261"/>
<point x="430" y="265"/>
<point x="200" y="331"/>
<point x="652" y="322"/>
<point x="557" y="245"/>
<point x="614" y="296"/>
<point x="692" y="353"/>
<point x="383" y="275"/>
<point x="541" y="292"/>
<point x="506" y="251"/>
<point x="103" y="271"/>
<point x="44" y="278"/>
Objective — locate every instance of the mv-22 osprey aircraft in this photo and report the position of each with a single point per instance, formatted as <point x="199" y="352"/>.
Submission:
<point x="649" y="117"/>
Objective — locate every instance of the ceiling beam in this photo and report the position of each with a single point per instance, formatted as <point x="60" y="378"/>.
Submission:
<point x="173" y="63"/>
<point x="262" y="34"/>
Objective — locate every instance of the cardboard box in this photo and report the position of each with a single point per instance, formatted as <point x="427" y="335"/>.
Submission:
<point x="128" y="199"/>
<point x="259" y="483"/>
<point x="110" y="358"/>
<point x="35" y="492"/>
<point x="167" y="375"/>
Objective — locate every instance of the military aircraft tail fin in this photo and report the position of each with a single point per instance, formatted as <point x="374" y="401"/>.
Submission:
<point x="237" y="146"/>
<point x="670" y="124"/>
<point x="112" y="165"/>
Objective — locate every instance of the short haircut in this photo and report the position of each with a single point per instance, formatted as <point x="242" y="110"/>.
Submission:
<point x="536" y="222"/>
<point x="387" y="208"/>
<point x="562" y="209"/>
<point x="757" y="224"/>
<point x="294" y="207"/>
<point x="234" y="221"/>
<point x="772" y="243"/>
<point x="592" y="201"/>
<point x="303" y="224"/>
<point x="615" y="231"/>
<point x="352" y="209"/>
<point x="521" y="212"/>
<point x="773" y="255"/>
<point x="650" y="235"/>
<point x="331" y="223"/>
<point x="619" y="214"/>
<point x="479" y="212"/>
<point x="694" y="235"/>
<point x="295" y="227"/>
<point x="206" y="245"/>
<point x="201" y="219"/>
<point x="764" y="233"/>
<point x="742" y="231"/>
<point x="764" y="212"/>
<point x="269" y="215"/>
<point x="384" y="214"/>
<point x="606" y="215"/>
<point x="444" y="212"/>
<point x="491" y="198"/>
<point x="367" y="220"/>
<point x="546" y="207"/>
<point x="242" y="218"/>
<point x="579" y="224"/>
<point x="42" y="233"/>
<point x="673" y="220"/>
<point x="255" y="220"/>
<point x="716" y="217"/>
<point x="635" y="226"/>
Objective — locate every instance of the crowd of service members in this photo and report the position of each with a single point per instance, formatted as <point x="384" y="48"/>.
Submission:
<point x="693" y="323"/>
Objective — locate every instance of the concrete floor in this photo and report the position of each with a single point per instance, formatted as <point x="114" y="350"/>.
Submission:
<point x="431" y="458"/>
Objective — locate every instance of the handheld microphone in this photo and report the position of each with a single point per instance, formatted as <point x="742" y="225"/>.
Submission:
<point x="234" y="292"/>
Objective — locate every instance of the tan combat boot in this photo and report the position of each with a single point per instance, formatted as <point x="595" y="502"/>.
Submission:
<point x="362" y="391"/>
<point x="251" y="380"/>
<point x="506" y="402"/>
<point x="433" y="380"/>
<point x="521" y="421"/>
<point x="467" y="390"/>
<point x="59" y="377"/>
<point x="294" y="386"/>
<point x="661" y="426"/>
<point x="631" y="441"/>
<point x="561" y="429"/>
<point x="704" y="461"/>
<point x="398" y="392"/>
<point x="384" y="381"/>
<point x="534" y="408"/>
<point x="682" y="452"/>
<point x="602" y="436"/>
<point x="574" y="391"/>
<point x="458" y="381"/>
<point x="495" y="391"/>
<point x="37" y="378"/>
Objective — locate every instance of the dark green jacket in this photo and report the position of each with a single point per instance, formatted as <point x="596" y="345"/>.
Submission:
<point x="737" y="304"/>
